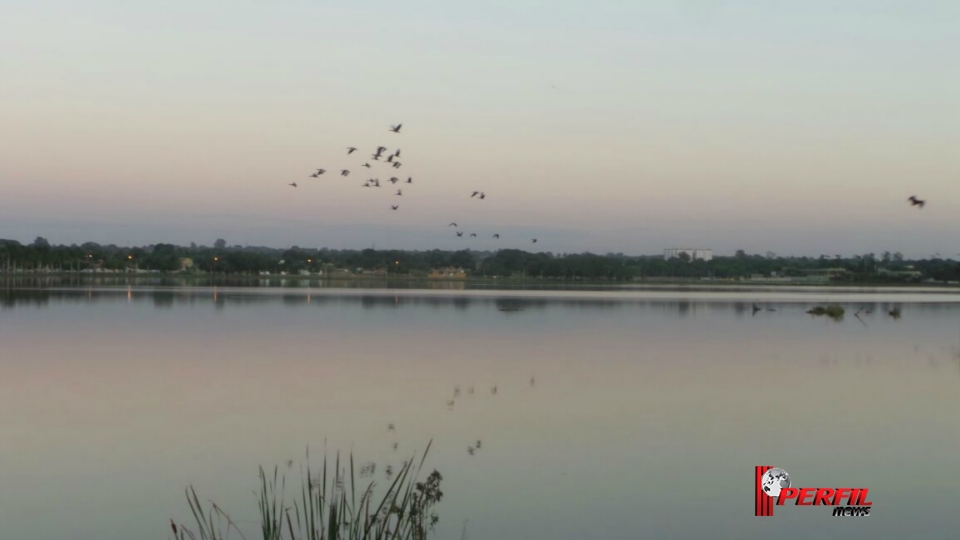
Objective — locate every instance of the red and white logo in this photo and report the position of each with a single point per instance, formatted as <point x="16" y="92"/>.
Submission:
<point x="773" y="484"/>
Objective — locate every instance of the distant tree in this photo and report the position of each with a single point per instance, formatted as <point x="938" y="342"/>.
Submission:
<point x="220" y="243"/>
<point x="685" y="257"/>
<point x="740" y="254"/>
<point x="41" y="242"/>
<point x="885" y="257"/>
<point x="898" y="256"/>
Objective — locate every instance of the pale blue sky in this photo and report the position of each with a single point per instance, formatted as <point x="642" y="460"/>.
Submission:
<point x="797" y="127"/>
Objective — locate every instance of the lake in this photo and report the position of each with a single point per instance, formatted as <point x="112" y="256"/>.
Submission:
<point x="618" y="412"/>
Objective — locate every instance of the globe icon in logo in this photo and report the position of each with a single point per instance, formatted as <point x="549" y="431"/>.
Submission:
<point x="774" y="480"/>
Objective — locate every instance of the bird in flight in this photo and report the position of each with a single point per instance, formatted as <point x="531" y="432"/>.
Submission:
<point x="367" y="165"/>
<point x="470" y="450"/>
<point x="496" y="236"/>
<point x="344" y="173"/>
<point x="452" y="225"/>
<point x="916" y="202"/>
<point x="318" y="173"/>
<point x="394" y="179"/>
<point x="473" y="235"/>
<point x="397" y="153"/>
<point x="376" y="182"/>
<point x="294" y="184"/>
<point x="396" y="164"/>
<point x="390" y="158"/>
<point x="478" y="444"/>
<point x="399" y="192"/>
<point x="351" y="150"/>
<point x="409" y="180"/>
<point x="483" y="195"/>
<point x="534" y="240"/>
<point x="394" y="207"/>
<point x="474" y="194"/>
<point x="396" y="128"/>
<point x="459" y="233"/>
<point x="390" y="427"/>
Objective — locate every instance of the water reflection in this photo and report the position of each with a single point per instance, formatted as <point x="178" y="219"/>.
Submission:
<point x="631" y="407"/>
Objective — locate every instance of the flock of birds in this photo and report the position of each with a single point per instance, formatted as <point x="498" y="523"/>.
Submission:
<point x="393" y="160"/>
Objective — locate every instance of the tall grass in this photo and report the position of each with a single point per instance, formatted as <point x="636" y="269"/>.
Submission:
<point x="328" y="508"/>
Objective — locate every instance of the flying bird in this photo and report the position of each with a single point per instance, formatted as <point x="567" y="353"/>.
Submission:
<point x="478" y="444"/>
<point x="390" y="158"/>
<point x="452" y="225"/>
<point x="394" y="207"/>
<point x="396" y="128"/>
<point x="397" y="153"/>
<point x="409" y="180"/>
<point x="496" y="236"/>
<point x="483" y="195"/>
<point x="534" y="240"/>
<point x="294" y="184"/>
<point x="470" y="450"/>
<point x="320" y="171"/>
<point x="396" y="164"/>
<point x="344" y="173"/>
<point x="394" y="179"/>
<point x="390" y="427"/>
<point x="376" y="182"/>
<point x="381" y="149"/>
<point x="367" y="165"/>
<point x="399" y="192"/>
<point x="473" y="235"/>
<point x="351" y="150"/>
<point x="459" y="233"/>
<point x="314" y="175"/>
<point x="914" y="201"/>
<point x="474" y="194"/>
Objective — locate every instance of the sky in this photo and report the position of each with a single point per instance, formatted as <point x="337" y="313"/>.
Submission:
<point x="798" y="127"/>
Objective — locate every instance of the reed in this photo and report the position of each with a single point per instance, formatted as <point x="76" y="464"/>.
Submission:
<point x="330" y="506"/>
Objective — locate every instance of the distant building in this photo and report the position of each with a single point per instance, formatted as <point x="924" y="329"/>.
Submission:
<point x="447" y="273"/>
<point x="694" y="254"/>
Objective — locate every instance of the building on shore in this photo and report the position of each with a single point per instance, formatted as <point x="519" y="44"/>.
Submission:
<point x="447" y="273"/>
<point x="693" y="254"/>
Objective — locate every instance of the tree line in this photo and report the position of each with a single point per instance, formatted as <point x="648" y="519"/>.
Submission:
<point x="506" y="263"/>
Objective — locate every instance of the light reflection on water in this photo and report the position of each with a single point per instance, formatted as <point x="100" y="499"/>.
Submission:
<point x="649" y="411"/>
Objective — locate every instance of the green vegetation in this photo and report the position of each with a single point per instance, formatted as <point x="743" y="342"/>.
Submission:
<point x="328" y="507"/>
<point x="835" y="312"/>
<point x="512" y="264"/>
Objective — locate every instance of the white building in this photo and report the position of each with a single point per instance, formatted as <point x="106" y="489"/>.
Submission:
<point x="694" y="254"/>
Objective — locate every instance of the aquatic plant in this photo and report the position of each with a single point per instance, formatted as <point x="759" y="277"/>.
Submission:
<point x="327" y="507"/>
<point x="834" y="311"/>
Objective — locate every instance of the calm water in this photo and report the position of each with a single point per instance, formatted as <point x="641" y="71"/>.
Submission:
<point x="648" y="411"/>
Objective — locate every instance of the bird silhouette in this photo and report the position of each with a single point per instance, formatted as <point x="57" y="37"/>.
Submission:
<point x="470" y="450"/>
<point x="452" y="225"/>
<point x="496" y="236"/>
<point x="399" y="192"/>
<point x="351" y="150"/>
<point x="294" y="184"/>
<point x="344" y="173"/>
<point x="375" y="156"/>
<point x="409" y="180"/>
<point x="474" y="194"/>
<point x="380" y="150"/>
<point x="394" y="179"/>
<point x="376" y="182"/>
<point x="479" y="443"/>
<point x="397" y="153"/>
<point x="390" y="427"/>
<point x="394" y="207"/>
<point x="390" y="158"/>
<point x="494" y="390"/>
<point x="534" y="240"/>
<point x="914" y="201"/>
<point x="367" y="165"/>
<point x="396" y="164"/>
<point x="473" y="235"/>
<point x="395" y="445"/>
<point x="396" y="128"/>
<point x="314" y="175"/>
<point x="367" y="185"/>
<point x="320" y="171"/>
<point x="459" y="233"/>
<point x="483" y="195"/>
